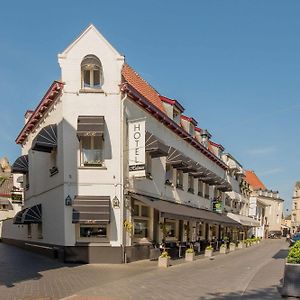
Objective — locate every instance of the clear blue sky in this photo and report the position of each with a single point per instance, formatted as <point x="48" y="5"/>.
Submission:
<point x="234" y="66"/>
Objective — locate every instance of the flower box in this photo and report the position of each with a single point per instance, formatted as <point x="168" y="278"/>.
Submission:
<point x="208" y="253"/>
<point x="291" y="280"/>
<point x="241" y="245"/>
<point x="223" y="250"/>
<point x="164" y="262"/>
<point x="232" y="247"/>
<point x="189" y="256"/>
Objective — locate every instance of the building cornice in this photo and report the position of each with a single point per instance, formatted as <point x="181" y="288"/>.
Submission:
<point x="164" y="119"/>
<point x="51" y="95"/>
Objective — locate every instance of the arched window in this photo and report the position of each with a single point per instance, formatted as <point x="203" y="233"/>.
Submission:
<point x="91" y="72"/>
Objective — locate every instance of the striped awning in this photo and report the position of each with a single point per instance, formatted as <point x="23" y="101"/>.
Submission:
<point x="20" y="165"/>
<point x="91" y="209"/>
<point x="46" y="139"/>
<point x="176" y="159"/>
<point x="90" y="126"/>
<point x="29" y="215"/>
<point x="155" y="146"/>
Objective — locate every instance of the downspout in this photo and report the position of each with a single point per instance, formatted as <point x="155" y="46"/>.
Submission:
<point x="122" y="211"/>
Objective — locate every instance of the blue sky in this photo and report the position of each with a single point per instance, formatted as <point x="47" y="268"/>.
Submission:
<point x="234" y="66"/>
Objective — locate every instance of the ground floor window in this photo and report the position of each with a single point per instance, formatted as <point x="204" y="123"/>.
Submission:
<point x="141" y="220"/>
<point x="40" y="230"/>
<point x="29" y="230"/>
<point x="93" y="231"/>
<point x="141" y="228"/>
<point x="171" y="231"/>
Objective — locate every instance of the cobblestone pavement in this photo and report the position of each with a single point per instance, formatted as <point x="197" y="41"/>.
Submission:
<point x="252" y="273"/>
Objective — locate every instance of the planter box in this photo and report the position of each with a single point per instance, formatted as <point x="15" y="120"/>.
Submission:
<point x="232" y="248"/>
<point x="164" y="262"/>
<point x="208" y="253"/>
<point x="224" y="250"/>
<point x="190" y="256"/>
<point x="291" y="280"/>
<point x="241" y="245"/>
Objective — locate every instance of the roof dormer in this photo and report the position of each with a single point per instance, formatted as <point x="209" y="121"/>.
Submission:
<point x="189" y="124"/>
<point x="173" y="108"/>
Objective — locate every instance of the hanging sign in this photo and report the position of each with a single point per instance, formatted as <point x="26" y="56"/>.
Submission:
<point x="136" y="144"/>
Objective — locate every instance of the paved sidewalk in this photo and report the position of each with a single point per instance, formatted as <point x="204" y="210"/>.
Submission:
<point x="252" y="273"/>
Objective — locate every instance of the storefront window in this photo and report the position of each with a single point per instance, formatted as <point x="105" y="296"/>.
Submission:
<point x="170" y="228"/>
<point x="141" y="228"/>
<point x="93" y="231"/>
<point x="141" y="220"/>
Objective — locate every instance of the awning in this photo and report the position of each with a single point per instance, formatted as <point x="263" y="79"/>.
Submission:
<point x="90" y="126"/>
<point x="155" y="146"/>
<point x="20" y="165"/>
<point x="91" y="209"/>
<point x="176" y="159"/>
<point x="46" y="139"/>
<point x="5" y="201"/>
<point x="244" y="220"/>
<point x="29" y="215"/>
<point x="183" y="212"/>
<point x="191" y="167"/>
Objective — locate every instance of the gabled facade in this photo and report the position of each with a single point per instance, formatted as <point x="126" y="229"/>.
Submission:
<point x="111" y="167"/>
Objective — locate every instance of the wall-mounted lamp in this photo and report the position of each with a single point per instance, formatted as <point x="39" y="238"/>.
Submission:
<point x="116" y="202"/>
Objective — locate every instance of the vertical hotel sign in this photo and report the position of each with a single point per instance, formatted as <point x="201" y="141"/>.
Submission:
<point x="136" y="144"/>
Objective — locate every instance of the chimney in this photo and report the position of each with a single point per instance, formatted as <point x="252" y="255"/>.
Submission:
<point x="205" y="136"/>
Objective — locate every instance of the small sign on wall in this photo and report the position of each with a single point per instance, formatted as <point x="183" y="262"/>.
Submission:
<point x="136" y="144"/>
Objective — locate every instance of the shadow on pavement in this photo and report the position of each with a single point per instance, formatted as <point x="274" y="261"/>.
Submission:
<point x="260" y="294"/>
<point x="281" y="254"/>
<point x="17" y="265"/>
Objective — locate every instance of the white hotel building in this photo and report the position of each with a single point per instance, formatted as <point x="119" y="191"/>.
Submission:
<point x="92" y="193"/>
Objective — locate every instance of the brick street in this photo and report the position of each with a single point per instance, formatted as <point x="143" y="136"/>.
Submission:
<point x="252" y="273"/>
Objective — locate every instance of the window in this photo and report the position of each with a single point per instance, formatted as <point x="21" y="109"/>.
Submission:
<point x="40" y="230"/>
<point x="206" y="190"/>
<point x="200" y="188"/>
<point x="191" y="184"/>
<point x="192" y="130"/>
<point x="53" y="162"/>
<point x="176" y="116"/>
<point x="91" y="72"/>
<point x="169" y="174"/>
<point x="179" y="179"/>
<point x="170" y="229"/>
<point x="148" y="166"/>
<point x="141" y="220"/>
<point x="93" y="231"/>
<point x="29" y="230"/>
<point x="91" y="151"/>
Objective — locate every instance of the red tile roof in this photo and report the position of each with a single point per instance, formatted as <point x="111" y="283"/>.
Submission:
<point x="6" y="185"/>
<point x="141" y="86"/>
<point x="254" y="181"/>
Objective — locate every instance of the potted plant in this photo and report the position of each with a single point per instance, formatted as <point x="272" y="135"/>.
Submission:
<point x="208" y="251"/>
<point x="223" y="249"/>
<point x="241" y="245"/>
<point x="291" y="279"/>
<point x="164" y="259"/>
<point x="190" y="254"/>
<point x="232" y="247"/>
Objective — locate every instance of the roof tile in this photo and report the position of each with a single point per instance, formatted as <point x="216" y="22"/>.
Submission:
<point x="254" y="181"/>
<point x="143" y="87"/>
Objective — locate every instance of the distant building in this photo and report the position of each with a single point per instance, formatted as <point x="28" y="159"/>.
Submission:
<point x="295" y="216"/>
<point x="10" y="204"/>
<point x="266" y="206"/>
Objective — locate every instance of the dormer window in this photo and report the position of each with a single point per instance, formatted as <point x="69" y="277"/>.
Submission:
<point x="192" y="130"/>
<point x="91" y="72"/>
<point x="176" y="116"/>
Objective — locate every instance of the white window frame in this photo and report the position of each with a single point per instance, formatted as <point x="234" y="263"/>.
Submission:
<point x="96" y="165"/>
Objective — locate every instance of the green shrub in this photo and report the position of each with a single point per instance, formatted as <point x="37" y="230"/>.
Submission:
<point x="294" y="254"/>
<point x="209" y="248"/>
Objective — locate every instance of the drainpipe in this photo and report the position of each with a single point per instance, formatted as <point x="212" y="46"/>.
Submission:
<point x="123" y="241"/>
